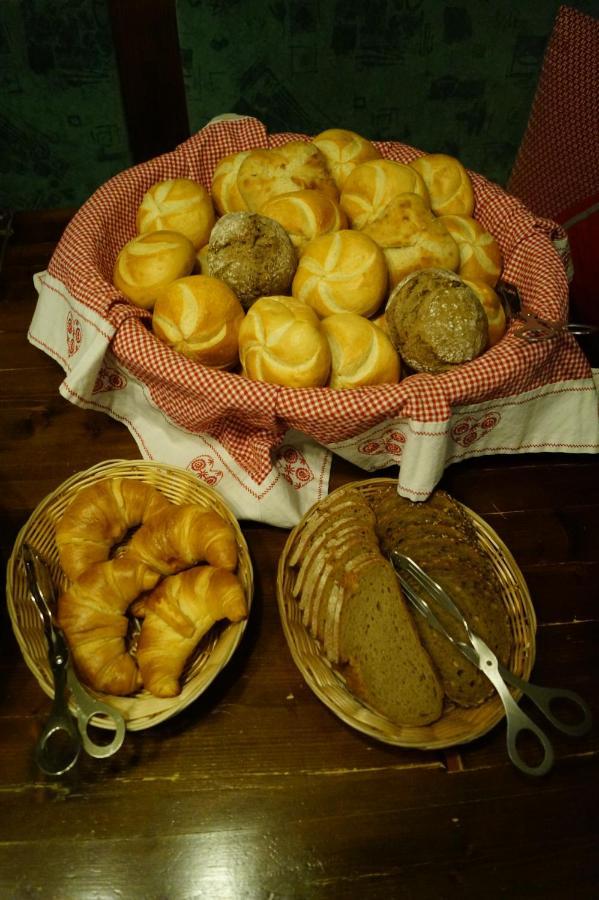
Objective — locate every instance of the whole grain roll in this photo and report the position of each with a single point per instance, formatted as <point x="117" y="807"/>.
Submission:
<point x="372" y="185"/>
<point x="178" y="204"/>
<point x="341" y="272"/>
<point x="225" y="191"/>
<point x="305" y="215"/>
<point x="200" y="317"/>
<point x="436" y="321"/>
<point x="281" y="342"/>
<point x="252" y="254"/>
<point x="344" y="150"/>
<point x="148" y="262"/>
<point x="361" y="352"/>
<point x="448" y="183"/>
<point x="296" y="166"/>
<point x="412" y="237"/>
<point x="480" y="256"/>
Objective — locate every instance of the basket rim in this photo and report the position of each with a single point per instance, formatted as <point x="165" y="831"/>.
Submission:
<point x="362" y="718"/>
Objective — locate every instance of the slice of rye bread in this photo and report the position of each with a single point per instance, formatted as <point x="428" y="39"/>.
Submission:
<point x="330" y="511"/>
<point x="330" y="529"/>
<point x="344" y="584"/>
<point x="451" y="554"/>
<point x="318" y="568"/>
<point x="382" y="658"/>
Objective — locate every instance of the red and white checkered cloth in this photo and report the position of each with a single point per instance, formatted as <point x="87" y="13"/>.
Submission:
<point x="249" y="418"/>
<point x="266" y="448"/>
<point x="556" y="171"/>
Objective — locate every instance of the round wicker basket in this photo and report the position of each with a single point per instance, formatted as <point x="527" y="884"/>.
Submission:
<point x="457" y="725"/>
<point x="141" y="710"/>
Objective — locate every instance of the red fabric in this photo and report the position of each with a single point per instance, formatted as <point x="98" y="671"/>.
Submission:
<point x="556" y="172"/>
<point x="249" y="418"/>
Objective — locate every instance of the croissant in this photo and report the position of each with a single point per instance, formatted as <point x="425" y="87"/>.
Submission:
<point x="91" y="613"/>
<point x="99" y="517"/>
<point x="178" y="613"/>
<point x="181" y="536"/>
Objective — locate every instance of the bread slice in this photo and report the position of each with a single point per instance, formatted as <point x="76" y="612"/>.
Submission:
<point x="384" y="662"/>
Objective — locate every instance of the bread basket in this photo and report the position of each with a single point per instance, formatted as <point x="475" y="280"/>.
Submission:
<point x="141" y="710"/>
<point x="457" y="725"/>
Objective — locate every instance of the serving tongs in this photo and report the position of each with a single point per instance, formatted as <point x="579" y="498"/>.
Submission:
<point x="480" y="655"/>
<point x="531" y="327"/>
<point x="62" y="738"/>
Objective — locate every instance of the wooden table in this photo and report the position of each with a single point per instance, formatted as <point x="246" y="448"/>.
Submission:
<point x="257" y="790"/>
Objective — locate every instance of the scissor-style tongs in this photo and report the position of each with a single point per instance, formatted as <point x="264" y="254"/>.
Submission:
<point x="481" y="656"/>
<point x="60" y="742"/>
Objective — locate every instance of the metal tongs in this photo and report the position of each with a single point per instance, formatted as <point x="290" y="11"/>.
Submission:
<point x="529" y="326"/>
<point x="60" y="742"/>
<point x="480" y="655"/>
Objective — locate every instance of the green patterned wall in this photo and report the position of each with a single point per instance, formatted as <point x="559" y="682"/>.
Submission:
<point x="457" y="77"/>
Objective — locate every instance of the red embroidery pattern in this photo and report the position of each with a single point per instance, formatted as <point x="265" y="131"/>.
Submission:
<point x="470" y="428"/>
<point x="109" y="380"/>
<point x="391" y="442"/>
<point x="294" y="467"/>
<point x="203" y="467"/>
<point x="74" y="334"/>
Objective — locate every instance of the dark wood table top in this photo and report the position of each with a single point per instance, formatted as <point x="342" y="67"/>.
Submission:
<point x="257" y="789"/>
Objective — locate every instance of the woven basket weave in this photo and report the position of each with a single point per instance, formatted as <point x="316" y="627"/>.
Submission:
<point x="457" y="725"/>
<point x="143" y="709"/>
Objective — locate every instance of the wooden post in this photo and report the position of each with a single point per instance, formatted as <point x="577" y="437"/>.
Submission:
<point x="146" y="43"/>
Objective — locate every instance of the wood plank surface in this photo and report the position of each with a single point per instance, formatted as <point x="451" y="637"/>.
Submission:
<point x="257" y="790"/>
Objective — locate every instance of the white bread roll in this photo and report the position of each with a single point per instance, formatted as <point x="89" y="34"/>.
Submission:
<point x="372" y="185"/>
<point x="480" y="256"/>
<point x="344" y="150"/>
<point x="448" y="183"/>
<point x="412" y="237"/>
<point x="361" y="352"/>
<point x="224" y="189"/>
<point x="149" y="262"/>
<point x="177" y="205"/>
<point x="200" y="317"/>
<point x="281" y="342"/>
<point x="296" y="166"/>
<point x="493" y="307"/>
<point x="341" y="272"/>
<point x="305" y="215"/>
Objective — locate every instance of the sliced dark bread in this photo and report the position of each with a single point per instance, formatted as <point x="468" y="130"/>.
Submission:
<point x="383" y="660"/>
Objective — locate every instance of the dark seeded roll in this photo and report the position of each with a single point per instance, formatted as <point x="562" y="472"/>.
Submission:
<point x="436" y="321"/>
<point x="252" y="254"/>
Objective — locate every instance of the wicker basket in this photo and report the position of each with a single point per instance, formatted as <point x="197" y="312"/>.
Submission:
<point x="457" y="725"/>
<point x="141" y="710"/>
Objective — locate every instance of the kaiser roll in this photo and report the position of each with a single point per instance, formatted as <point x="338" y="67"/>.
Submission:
<point x="435" y="321"/>
<point x="480" y="256"/>
<point x="412" y="237"/>
<point x="177" y="205"/>
<point x="199" y="316"/>
<point x="281" y="342"/>
<point x="493" y="307"/>
<point x="361" y="352"/>
<point x="372" y="185"/>
<point x="224" y="189"/>
<point x="149" y="262"/>
<point x="341" y="272"/>
<point x="448" y="183"/>
<point x="296" y="166"/>
<point x="305" y="215"/>
<point x="344" y="150"/>
<point x="252" y="254"/>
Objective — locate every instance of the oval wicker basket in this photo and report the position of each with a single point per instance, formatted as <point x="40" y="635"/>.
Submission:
<point x="141" y="710"/>
<point x="457" y="725"/>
